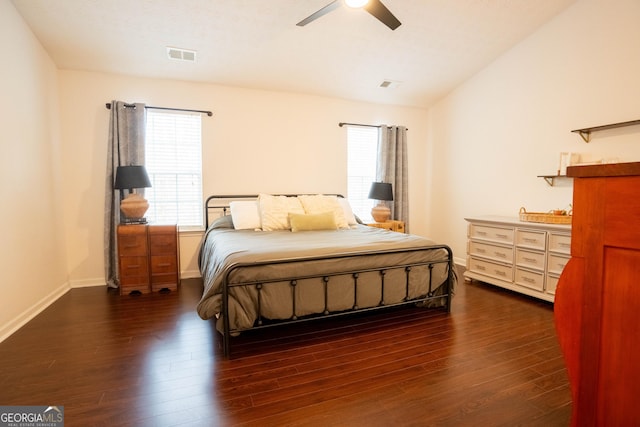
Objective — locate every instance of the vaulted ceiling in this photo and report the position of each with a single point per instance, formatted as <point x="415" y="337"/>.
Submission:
<point x="256" y="44"/>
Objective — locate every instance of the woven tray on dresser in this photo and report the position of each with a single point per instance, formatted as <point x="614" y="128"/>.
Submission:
<point x="544" y="217"/>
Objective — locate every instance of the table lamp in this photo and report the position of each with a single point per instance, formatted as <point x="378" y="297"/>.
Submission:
<point x="134" y="205"/>
<point x="382" y="192"/>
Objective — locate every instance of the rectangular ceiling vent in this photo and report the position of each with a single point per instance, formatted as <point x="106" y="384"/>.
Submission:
<point x="390" y="84"/>
<point x="178" y="54"/>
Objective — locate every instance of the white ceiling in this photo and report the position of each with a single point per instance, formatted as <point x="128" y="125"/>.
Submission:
<point x="256" y="43"/>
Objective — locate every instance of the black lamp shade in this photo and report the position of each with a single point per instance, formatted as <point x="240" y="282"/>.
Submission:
<point x="130" y="177"/>
<point x="381" y="191"/>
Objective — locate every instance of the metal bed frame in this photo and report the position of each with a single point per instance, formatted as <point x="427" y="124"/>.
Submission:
<point x="324" y="280"/>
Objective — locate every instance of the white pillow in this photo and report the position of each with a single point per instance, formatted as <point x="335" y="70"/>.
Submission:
<point x="317" y="204"/>
<point x="275" y="210"/>
<point x="348" y="212"/>
<point x="245" y="215"/>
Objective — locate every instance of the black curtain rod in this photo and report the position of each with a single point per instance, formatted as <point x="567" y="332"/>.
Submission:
<point x="208" y="113"/>
<point x="358" y="124"/>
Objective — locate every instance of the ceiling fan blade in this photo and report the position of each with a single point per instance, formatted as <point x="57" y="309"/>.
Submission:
<point x="380" y="11"/>
<point x="328" y="8"/>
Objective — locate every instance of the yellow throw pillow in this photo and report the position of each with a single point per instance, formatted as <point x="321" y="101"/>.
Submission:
<point x="308" y="222"/>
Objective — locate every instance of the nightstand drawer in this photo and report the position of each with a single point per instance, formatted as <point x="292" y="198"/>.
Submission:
<point x="133" y="266"/>
<point x="161" y="244"/>
<point x="162" y="281"/>
<point x="135" y="283"/>
<point x="132" y="242"/>
<point x="164" y="264"/>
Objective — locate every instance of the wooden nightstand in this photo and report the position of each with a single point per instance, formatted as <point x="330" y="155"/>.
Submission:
<point x="148" y="258"/>
<point x="391" y="225"/>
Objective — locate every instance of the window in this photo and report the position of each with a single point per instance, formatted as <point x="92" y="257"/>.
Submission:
<point x="362" y="154"/>
<point x="173" y="152"/>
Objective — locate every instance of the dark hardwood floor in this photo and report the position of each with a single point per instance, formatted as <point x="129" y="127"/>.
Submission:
<point x="150" y="360"/>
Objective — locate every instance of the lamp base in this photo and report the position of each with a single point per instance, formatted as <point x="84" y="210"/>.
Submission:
<point x="381" y="213"/>
<point x="134" y="207"/>
<point x="133" y="221"/>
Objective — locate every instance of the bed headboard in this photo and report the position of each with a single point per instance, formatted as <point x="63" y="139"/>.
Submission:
<point x="218" y="205"/>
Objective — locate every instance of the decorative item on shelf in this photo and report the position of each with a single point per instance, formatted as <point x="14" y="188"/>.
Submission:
<point x="567" y="159"/>
<point x="382" y="192"/>
<point x="134" y="206"/>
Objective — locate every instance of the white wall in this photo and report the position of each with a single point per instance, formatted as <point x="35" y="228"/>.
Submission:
<point x="256" y="141"/>
<point x="493" y="135"/>
<point x="32" y="260"/>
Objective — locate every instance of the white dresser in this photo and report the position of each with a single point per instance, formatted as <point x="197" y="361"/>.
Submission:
<point x="525" y="257"/>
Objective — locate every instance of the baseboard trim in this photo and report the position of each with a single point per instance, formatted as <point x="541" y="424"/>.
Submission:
<point x="87" y="283"/>
<point x="190" y="274"/>
<point x="37" y="308"/>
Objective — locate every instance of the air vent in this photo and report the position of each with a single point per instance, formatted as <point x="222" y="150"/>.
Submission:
<point x="390" y="84"/>
<point x="178" y="54"/>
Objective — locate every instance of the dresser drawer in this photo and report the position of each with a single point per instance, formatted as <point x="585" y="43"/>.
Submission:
<point x="531" y="239"/>
<point x="486" y="250"/>
<point x="530" y="259"/>
<point x="530" y="279"/>
<point x="560" y="243"/>
<point x="487" y="268"/>
<point x="552" y="284"/>
<point x="556" y="263"/>
<point x="495" y="234"/>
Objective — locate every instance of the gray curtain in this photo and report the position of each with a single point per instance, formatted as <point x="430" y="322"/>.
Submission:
<point x="126" y="147"/>
<point x="392" y="167"/>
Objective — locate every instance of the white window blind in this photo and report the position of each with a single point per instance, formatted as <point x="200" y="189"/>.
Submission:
<point x="173" y="158"/>
<point x="362" y="154"/>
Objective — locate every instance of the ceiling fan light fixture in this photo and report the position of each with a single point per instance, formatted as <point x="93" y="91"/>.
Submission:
<point x="356" y="4"/>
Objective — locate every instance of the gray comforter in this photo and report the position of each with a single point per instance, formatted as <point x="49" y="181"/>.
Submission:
<point x="258" y="256"/>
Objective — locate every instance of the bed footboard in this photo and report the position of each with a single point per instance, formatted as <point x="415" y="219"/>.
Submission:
<point x="402" y="291"/>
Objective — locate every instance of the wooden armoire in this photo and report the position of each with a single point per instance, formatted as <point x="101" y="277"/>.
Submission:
<point x="597" y="305"/>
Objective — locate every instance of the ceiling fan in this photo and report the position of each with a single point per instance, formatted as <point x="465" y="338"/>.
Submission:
<point x="374" y="7"/>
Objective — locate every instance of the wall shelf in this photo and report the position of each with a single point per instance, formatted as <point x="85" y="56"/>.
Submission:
<point x="550" y="179"/>
<point x="586" y="132"/>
